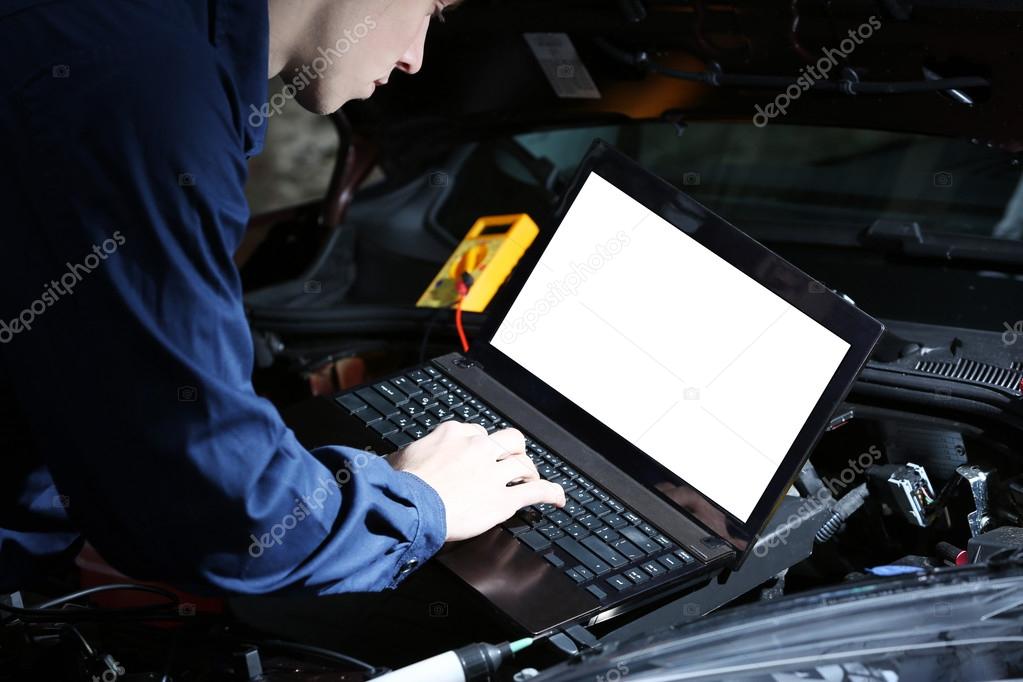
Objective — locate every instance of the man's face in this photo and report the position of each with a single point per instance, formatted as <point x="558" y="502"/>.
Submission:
<point x="346" y="49"/>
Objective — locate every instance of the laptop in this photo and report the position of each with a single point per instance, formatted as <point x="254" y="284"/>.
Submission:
<point x="671" y="373"/>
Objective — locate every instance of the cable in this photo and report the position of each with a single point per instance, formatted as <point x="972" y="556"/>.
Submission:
<point x="463" y="289"/>
<point x="113" y="587"/>
<point x="45" y="612"/>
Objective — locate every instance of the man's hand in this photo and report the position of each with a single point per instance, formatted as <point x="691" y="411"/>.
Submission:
<point x="471" y="471"/>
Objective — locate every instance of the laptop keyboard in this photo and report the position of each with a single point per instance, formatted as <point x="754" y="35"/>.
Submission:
<point x="598" y="542"/>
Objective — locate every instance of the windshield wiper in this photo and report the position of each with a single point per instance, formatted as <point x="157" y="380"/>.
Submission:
<point x="908" y="239"/>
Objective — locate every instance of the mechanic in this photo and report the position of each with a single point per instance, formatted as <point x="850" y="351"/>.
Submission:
<point x="127" y="412"/>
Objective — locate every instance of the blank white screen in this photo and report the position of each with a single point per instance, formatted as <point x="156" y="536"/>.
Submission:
<point x="685" y="356"/>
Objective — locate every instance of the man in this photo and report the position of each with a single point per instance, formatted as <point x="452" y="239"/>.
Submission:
<point x="127" y="415"/>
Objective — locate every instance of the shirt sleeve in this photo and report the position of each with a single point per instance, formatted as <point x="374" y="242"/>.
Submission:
<point x="132" y="355"/>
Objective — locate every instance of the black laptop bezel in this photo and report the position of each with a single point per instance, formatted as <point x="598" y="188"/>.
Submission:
<point x="858" y="329"/>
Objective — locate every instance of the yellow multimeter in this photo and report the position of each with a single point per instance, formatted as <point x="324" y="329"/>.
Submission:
<point x="488" y="254"/>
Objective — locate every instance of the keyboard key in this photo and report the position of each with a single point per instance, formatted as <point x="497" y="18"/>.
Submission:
<point x="516" y="526"/>
<point x="427" y="421"/>
<point x="615" y="521"/>
<point x="441" y="412"/>
<point x="406" y="386"/>
<point x="589" y="521"/>
<point x="551" y="531"/>
<point x="416" y="431"/>
<point x="414" y="409"/>
<point x="465" y="412"/>
<point x="383" y="427"/>
<point x="606" y="534"/>
<point x="583" y="482"/>
<point x="576" y="531"/>
<point x="683" y="555"/>
<point x="640" y="539"/>
<point x="663" y="541"/>
<point x="648" y="529"/>
<point x="377" y="401"/>
<point x="535" y="541"/>
<point x="598" y="508"/>
<point x="573" y="508"/>
<point x="600" y="548"/>
<point x="351" y="402"/>
<point x="597" y="592"/>
<point x="400" y="439"/>
<point x="569" y="471"/>
<point x="392" y="393"/>
<point x="615" y="505"/>
<point x="619" y="582"/>
<point x="451" y="400"/>
<point x="585" y="556"/>
<point x="369" y="415"/>
<point x="418" y="376"/>
<point x="434" y="388"/>
<point x="671" y="562"/>
<point x="433" y="372"/>
<point x="637" y="576"/>
<point x="584" y="572"/>
<point x="559" y="518"/>
<point x="581" y="496"/>
<point x="402" y="420"/>
<point x="600" y="494"/>
<point x="653" y="568"/>
<point x="629" y="550"/>
<point x="554" y="560"/>
<point x="575" y="575"/>
<point x="546" y="470"/>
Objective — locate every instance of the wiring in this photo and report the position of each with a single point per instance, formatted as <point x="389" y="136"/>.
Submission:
<point x="319" y="652"/>
<point x="48" y="613"/>
<point x="463" y="289"/>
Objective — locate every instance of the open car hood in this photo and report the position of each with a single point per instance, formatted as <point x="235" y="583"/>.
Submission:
<point x="482" y="75"/>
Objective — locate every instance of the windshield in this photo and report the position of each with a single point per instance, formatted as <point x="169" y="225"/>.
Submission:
<point x="816" y="177"/>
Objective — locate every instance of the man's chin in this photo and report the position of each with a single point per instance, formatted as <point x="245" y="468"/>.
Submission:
<point x="319" y="102"/>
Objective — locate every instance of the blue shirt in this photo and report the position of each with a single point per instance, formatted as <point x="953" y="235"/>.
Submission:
<point x="127" y="412"/>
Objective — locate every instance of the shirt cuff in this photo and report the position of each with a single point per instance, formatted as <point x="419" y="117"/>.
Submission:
<point x="430" y="532"/>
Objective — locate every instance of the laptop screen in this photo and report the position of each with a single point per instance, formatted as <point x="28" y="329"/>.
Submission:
<point x="692" y="361"/>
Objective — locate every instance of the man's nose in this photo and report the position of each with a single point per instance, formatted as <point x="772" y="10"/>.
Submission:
<point x="412" y="61"/>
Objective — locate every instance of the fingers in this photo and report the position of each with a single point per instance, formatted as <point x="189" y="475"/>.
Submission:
<point x="537" y="492"/>
<point x="509" y="441"/>
<point x="516" y="468"/>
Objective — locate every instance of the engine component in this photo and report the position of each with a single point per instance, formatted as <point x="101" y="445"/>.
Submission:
<point x="978" y="480"/>
<point x="984" y="546"/>
<point x="844" y="508"/>
<point x="905" y="487"/>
